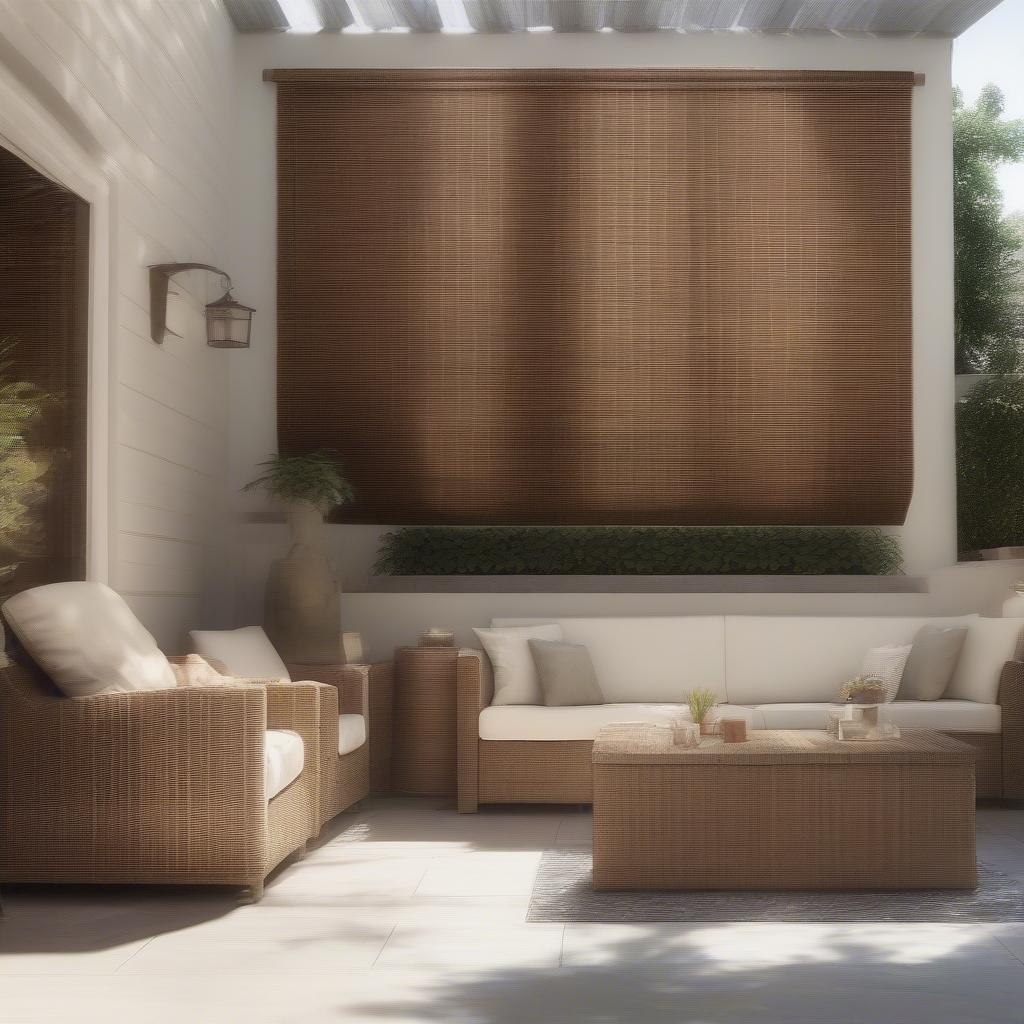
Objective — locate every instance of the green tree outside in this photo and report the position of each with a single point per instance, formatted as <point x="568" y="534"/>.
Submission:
<point x="988" y="246"/>
<point x="989" y="327"/>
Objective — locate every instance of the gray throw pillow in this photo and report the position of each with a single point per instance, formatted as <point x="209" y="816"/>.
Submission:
<point x="932" y="662"/>
<point x="566" y="674"/>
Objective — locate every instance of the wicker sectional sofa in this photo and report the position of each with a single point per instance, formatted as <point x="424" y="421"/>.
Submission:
<point x="777" y="672"/>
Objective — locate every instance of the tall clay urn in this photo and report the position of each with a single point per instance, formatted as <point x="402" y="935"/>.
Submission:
<point x="302" y="616"/>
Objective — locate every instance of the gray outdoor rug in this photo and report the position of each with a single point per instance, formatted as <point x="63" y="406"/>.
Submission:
<point x="562" y="895"/>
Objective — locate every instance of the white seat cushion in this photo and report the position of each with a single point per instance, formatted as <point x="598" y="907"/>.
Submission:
<point x="940" y="715"/>
<point x="284" y="754"/>
<point x="246" y="652"/>
<point x="87" y="640"/>
<point x="351" y="733"/>
<point x="532" y="722"/>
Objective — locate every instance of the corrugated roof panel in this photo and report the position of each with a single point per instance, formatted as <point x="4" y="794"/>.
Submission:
<point x="939" y="17"/>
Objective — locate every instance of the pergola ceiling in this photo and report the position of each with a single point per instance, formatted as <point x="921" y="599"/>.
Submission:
<point x="932" y="17"/>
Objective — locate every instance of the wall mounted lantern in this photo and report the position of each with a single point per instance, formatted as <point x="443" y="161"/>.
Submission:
<point x="228" y="323"/>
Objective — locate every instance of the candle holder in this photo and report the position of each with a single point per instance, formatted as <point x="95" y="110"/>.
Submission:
<point x="733" y="730"/>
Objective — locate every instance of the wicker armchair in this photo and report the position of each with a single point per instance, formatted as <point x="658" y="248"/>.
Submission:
<point x="344" y="778"/>
<point x="150" y="787"/>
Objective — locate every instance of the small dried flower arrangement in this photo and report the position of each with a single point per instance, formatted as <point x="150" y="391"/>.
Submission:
<point x="701" y="702"/>
<point x="863" y="690"/>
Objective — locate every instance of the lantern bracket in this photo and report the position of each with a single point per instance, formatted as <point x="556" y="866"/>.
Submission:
<point x="160" y="275"/>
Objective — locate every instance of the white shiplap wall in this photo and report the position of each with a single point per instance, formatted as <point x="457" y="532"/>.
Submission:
<point x="148" y="85"/>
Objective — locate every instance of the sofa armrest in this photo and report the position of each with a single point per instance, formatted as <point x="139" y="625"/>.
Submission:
<point x="474" y="690"/>
<point x="1011" y="701"/>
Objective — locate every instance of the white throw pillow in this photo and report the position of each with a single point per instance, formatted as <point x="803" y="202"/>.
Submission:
<point x="887" y="664"/>
<point x="246" y="652"/>
<point x="87" y="640"/>
<point x="515" y="675"/>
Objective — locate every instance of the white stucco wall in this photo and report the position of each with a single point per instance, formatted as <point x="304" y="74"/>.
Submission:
<point x="129" y="104"/>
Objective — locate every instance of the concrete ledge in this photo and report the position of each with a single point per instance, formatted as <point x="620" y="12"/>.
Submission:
<point x="646" y="585"/>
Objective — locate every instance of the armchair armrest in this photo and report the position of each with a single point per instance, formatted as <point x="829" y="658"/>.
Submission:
<point x="1011" y="700"/>
<point x="474" y="690"/>
<point x="152" y="768"/>
<point x="351" y="681"/>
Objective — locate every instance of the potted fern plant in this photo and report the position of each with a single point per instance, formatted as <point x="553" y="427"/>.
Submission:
<point x="302" y="613"/>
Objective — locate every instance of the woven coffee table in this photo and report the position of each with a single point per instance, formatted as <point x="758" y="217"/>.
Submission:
<point x="785" y="810"/>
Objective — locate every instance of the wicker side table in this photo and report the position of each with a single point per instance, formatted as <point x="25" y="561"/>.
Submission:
<point x="424" y="755"/>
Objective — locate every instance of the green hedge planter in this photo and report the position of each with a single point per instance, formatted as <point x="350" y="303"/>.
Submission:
<point x="638" y="551"/>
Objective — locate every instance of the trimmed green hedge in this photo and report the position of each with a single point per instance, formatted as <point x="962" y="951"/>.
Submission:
<point x="638" y="551"/>
<point x="990" y="465"/>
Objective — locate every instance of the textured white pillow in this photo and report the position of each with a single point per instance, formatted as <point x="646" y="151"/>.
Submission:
<point x="87" y="640"/>
<point x="515" y="675"/>
<point x="197" y="671"/>
<point x="887" y="663"/>
<point x="246" y="652"/>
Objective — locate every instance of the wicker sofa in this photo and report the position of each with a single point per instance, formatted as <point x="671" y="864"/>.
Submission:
<point x="171" y="786"/>
<point x="777" y="672"/>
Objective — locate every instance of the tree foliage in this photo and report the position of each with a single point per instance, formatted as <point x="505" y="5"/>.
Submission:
<point x="989" y="310"/>
<point x="21" y="470"/>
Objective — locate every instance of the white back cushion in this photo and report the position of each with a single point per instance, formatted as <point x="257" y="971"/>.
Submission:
<point x="795" y="658"/>
<point x="515" y="675"/>
<point x="87" y="640"/>
<point x="648" y="659"/>
<point x="246" y="652"/>
<point x="988" y="644"/>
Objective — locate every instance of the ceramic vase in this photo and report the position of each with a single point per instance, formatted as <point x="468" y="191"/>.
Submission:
<point x="303" y="600"/>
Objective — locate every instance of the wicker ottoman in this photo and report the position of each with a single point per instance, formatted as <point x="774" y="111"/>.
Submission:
<point x="785" y="810"/>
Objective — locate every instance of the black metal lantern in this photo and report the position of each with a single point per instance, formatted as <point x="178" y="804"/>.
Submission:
<point x="228" y="322"/>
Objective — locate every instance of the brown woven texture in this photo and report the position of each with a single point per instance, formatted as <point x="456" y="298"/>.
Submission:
<point x="424" y="756"/>
<point x="535" y="772"/>
<point x="471" y="699"/>
<point x="165" y="786"/>
<point x="628" y="297"/>
<point x="363" y="690"/>
<point x="344" y="778"/>
<point x="988" y="764"/>
<point x="1011" y="699"/>
<point x="789" y="810"/>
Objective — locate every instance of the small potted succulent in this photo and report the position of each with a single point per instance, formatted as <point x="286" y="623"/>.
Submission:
<point x="702" y="702"/>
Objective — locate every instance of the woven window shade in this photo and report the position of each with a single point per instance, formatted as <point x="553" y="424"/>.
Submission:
<point x="44" y="239"/>
<point x="599" y="296"/>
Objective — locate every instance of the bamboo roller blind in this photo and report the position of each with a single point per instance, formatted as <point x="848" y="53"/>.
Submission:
<point x="599" y="296"/>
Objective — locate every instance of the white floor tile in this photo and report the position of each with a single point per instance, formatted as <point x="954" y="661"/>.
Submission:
<point x="511" y="947"/>
<point x="410" y="912"/>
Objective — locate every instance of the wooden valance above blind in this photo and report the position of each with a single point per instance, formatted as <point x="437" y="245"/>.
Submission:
<point x="600" y="296"/>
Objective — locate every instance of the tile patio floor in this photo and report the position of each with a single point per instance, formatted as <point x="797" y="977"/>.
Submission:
<point x="409" y="912"/>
